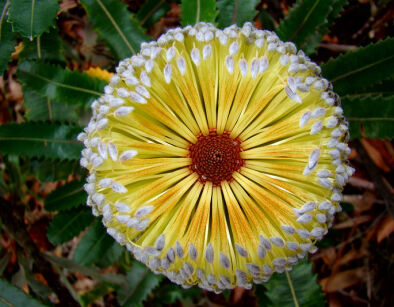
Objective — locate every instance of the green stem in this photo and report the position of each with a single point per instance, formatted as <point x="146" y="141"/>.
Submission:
<point x="292" y="289"/>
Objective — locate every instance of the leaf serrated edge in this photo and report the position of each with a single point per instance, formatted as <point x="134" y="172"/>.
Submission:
<point x="359" y="49"/>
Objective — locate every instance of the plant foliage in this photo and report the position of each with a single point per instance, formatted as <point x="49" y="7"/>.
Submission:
<point x="68" y="224"/>
<point x="116" y="26"/>
<point x="236" y="12"/>
<point x="13" y="296"/>
<point x="278" y="291"/>
<point x="194" y="11"/>
<point x="93" y="245"/>
<point x="357" y="69"/>
<point x="7" y="38"/>
<point x="66" y="197"/>
<point x="32" y="18"/>
<point x="151" y="12"/>
<point x="41" y="140"/>
<point x="58" y="83"/>
<point x="372" y="116"/>
<point x="141" y="282"/>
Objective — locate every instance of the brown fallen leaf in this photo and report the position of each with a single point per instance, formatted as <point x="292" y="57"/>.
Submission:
<point x="343" y="280"/>
<point x="385" y="229"/>
<point x="353" y="222"/>
<point x="362" y="202"/>
<point x="375" y="154"/>
<point x="351" y="255"/>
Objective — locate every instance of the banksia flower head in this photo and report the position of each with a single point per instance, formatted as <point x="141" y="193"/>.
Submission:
<point x="217" y="156"/>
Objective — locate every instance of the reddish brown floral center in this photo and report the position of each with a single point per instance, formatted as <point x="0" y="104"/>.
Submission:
<point x="215" y="157"/>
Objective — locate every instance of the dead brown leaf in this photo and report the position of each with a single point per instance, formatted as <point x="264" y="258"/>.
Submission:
<point x="374" y="150"/>
<point x="386" y="228"/>
<point x="343" y="280"/>
<point x="353" y="222"/>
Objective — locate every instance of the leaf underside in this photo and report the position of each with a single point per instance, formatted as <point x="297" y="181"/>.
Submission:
<point x="7" y="39"/>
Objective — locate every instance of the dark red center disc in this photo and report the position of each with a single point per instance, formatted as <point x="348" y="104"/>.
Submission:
<point x="215" y="157"/>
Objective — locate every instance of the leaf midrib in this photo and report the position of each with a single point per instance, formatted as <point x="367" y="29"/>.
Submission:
<point x="361" y="69"/>
<point x="136" y="286"/>
<point x="41" y="140"/>
<point x="70" y="222"/>
<point x="116" y="26"/>
<point x="304" y="21"/>
<point x="70" y="87"/>
<point x="73" y="192"/>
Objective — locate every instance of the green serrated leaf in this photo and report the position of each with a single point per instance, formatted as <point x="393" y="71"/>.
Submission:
<point x="40" y="139"/>
<point x="111" y="255"/>
<point x="68" y="224"/>
<point x="357" y="69"/>
<point x="300" y="284"/>
<point x="236" y="12"/>
<point x="151" y="12"/>
<point x="7" y="37"/>
<point x="384" y="88"/>
<point x="69" y="196"/>
<point x="53" y="170"/>
<point x="32" y="18"/>
<point x="13" y="296"/>
<point x="374" y="114"/>
<point x="116" y="26"/>
<point x="48" y="46"/>
<point x="40" y="108"/>
<point x="60" y="84"/>
<point x="312" y="41"/>
<point x="93" y="245"/>
<point x="141" y="282"/>
<point x="267" y="22"/>
<point x="194" y="11"/>
<point x="300" y="25"/>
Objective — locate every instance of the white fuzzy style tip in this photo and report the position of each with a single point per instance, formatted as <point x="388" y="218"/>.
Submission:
<point x="167" y="72"/>
<point x="127" y="155"/>
<point x="195" y="55"/>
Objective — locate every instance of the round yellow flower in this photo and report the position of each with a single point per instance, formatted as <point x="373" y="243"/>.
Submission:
<point x="217" y="156"/>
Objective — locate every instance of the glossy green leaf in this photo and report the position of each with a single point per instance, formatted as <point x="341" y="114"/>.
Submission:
<point x="13" y="296"/>
<point x="301" y="23"/>
<point x="384" y="88"/>
<point x="68" y="224"/>
<point x="141" y="282"/>
<point x="111" y="255"/>
<point x="60" y="84"/>
<point x="53" y="170"/>
<point x="373" y="114"/>
<point x="310" y="43"/>
<point x="40" y="108"/>
<point x="194" y="11"/>
<point x="32" y="18"/>
<point x="116" y="26"/>
<point x="69" y="196"/>
<point x="307" y="291"/>
<point x="48" y="46"/>
<point x="7" y="38"/>
<point x="151" y="12"/>
<point x="40" y="139"/>
<point x="93" y="245"/>
<point x="236" y="12"/>
<point x="357" y="69"/>
<point x="267" y="22"/>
